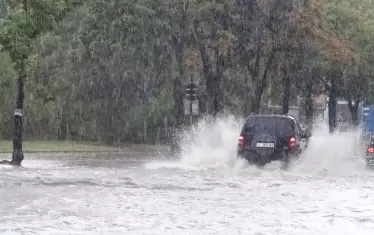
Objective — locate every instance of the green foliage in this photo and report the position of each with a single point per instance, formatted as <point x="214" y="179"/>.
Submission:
<point x="352" y="21"/>
<point x="102" y="70"/>
<point x="7" y="72"/>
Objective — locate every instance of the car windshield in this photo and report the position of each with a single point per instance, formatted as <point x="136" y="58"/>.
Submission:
<point x="268" y="125"/>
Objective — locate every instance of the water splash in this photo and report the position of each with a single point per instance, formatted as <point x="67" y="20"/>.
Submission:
<point x="211" y="143"/>
<point x="339" y="153"/>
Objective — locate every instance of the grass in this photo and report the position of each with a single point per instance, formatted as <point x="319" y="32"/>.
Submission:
<point x="72" y="146"/>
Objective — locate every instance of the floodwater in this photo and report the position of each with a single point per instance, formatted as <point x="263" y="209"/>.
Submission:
<point x="206" y="191"/>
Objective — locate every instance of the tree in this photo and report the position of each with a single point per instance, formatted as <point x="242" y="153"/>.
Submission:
<point x="351" y="22"/>
<point x="114" y="70"/>
<point x="25" y="21"/>
<point x="214" y="41"/>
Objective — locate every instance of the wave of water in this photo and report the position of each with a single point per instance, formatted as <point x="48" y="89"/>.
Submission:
<point x="212" y="144"/>
<point x="339" y="153"/>
<point x="177" y="199"/>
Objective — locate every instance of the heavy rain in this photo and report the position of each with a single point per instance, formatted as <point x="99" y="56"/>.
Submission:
<point x="152" y="117"/>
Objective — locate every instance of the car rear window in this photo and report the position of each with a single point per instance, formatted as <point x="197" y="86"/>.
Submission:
<point x="268" y="125"/>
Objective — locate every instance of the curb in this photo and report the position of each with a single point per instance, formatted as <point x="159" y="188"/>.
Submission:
<point x="121" y="152"/>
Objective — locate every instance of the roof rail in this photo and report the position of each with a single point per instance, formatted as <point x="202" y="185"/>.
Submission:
<point x="291" y="116"/>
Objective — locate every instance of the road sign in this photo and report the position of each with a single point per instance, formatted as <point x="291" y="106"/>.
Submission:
<point x="191" y="107"/>
<point x="18" y="112"/>
<point x="191" y="100"/>
<point x="187" y="106"/>
<point x="368" y="119"/>
<point x="191" y="91"/>
<point x="371" y="138"/>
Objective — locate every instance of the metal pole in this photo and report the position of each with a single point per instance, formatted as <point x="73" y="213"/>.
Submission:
<point x="192" y="82"/>
<point x="191" y="112"/>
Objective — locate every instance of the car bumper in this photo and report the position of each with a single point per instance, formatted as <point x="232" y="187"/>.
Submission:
<point x="370" y="160"/>
<point x="253" y="155"/>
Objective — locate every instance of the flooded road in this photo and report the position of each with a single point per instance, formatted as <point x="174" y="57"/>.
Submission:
<point x="127" y="197"/>
<point x="327" y="192"/>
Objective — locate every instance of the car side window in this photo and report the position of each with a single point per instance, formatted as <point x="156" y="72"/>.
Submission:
<point x="249" y="126"/>
<point x="248" y="129"/>
<point x="296" y="128"/>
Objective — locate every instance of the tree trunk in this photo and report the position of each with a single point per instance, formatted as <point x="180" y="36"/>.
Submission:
<point x="309" y="99"/>
<point x="286" y="84"/>
<point x="63" y="127"/>
<point x="286" y="94"/>
<point x="256" y="102"/>
<point x="354" y="112"/>
<point x="217" y="91"/>
<point x="178" y="46"/>
<point x="62" y="133"/>
<point x="332" y="106"/>
<point x="178" y="41"/>
<point x="355" y="116"/>
<point x="178" y="102"/>
<point x="247" y="97"/>
<point x="213" y="73"/>
<point x="309" y="106"/>
<point x="18" y="155"/>
<point x="260" y="88"/>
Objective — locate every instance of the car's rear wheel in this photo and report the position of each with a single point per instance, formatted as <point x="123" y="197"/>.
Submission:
<point x="285" y="160"/>
<point x="250" y="158"/>
<point x="262" y="160"/>
<point x="255" y="159"/>
<point x="369" y="166"/>
<point x="239" y="156"/>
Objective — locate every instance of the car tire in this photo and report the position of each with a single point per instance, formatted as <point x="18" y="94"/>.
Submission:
<point x="369" y="165"/>
<point x="262" y="160"/>
<point x="239" y="156"/>
<point x="285" y="161"/>
<point x="250" y="159"/>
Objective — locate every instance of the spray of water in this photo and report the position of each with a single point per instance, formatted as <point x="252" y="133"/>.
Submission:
<point x="340" y="153"/>
<point x="212" y="144"/>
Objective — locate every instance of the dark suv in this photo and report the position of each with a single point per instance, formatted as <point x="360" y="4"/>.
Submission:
<point x="265" y="138"/>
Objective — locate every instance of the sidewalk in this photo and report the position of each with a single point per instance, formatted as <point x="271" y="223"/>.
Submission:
<point x="81" y="147"/>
